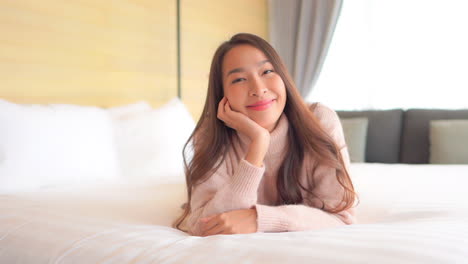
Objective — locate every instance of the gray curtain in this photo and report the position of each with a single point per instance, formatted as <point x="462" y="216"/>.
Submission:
<point x="301" y="32"/>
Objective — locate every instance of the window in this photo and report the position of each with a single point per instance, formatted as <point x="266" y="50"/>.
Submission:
<point x="397" y="54"/>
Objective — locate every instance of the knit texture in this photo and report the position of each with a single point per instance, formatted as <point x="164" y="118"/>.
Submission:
<point x="237" y="184"/>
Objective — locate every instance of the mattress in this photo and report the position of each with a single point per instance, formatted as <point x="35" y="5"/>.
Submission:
<point x="407" y="214"/>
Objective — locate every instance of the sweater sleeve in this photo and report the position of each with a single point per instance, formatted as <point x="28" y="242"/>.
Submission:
<point x="223" y="192"/>
<point x="308" y="216"/>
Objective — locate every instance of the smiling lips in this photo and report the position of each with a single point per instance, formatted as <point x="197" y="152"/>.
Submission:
<point x="261" y="105"/>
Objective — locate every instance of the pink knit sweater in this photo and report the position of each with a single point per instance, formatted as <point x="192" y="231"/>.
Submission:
<point x="237" y="184"/>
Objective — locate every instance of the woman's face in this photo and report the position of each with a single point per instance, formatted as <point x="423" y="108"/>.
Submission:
<point x="252" y="86"/>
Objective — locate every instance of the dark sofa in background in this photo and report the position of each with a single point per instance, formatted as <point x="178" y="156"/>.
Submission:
<point x="400" y="136"/>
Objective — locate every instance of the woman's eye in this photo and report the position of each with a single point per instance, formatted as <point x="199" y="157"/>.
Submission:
<point x="267" y="71"/>
<point x="237" y="80"/>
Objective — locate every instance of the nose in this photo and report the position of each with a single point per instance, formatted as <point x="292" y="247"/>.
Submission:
<point x="257" y="87"/>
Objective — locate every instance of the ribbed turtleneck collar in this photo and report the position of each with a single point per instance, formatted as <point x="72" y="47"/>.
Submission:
<point x="278" y="137"/>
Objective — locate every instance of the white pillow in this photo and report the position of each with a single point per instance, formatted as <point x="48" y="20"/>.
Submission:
<point x="150" y="144"/>
<point x="47" y="145"/>
<point x="126" y="111"/>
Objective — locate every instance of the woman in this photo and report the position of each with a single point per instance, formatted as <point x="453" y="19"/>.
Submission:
<point x="263" y="160"/>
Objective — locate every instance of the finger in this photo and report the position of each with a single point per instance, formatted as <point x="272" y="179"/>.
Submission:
<point x="221" y="105"/>
<point x="206" y="218"/>
<point x="221" y="108"/>
<point x="227" y="106"/>
<point x="208" y="230"/>
<point x="219" y="229"/>
<point x="225" y="231"/>
<point x="208" y="224"/>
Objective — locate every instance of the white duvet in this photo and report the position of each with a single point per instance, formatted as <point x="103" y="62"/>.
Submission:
<point x="408" y="214"/>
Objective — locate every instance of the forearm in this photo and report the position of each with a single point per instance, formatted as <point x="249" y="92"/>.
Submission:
<point x="239" y="192"/>
<point x="257" y="151"/>
<point x="298" y="218"/>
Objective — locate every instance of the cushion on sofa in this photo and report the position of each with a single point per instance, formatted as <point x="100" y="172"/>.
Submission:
<point x="448" y="141"/>
<point x="415" y="136"/>
<point x="355" y="133"/>
<point x="383" y="133"/>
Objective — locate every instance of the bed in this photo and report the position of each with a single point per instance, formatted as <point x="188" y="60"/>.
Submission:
<point x="409" y="213"/>
<point x="423" y="220"/>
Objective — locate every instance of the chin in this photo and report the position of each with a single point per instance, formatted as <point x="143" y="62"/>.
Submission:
<point x="267" y="120"/>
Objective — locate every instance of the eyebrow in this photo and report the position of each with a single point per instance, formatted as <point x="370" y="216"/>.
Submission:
<point x="242" y="69"/>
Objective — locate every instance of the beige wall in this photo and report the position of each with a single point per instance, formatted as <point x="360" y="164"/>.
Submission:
<point x="109" y="53"/>
<point x="205" y="25"/>
<point x="88" y="52"/>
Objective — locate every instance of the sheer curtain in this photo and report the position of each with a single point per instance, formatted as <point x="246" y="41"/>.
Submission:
<point x="301" y="32"/>
<point x="397" y="54"/>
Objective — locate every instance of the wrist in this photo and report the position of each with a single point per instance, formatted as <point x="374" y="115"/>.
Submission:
<point x="261" y="138"/>
<point x="255" y="216"/>
<point x="256" y="152"/>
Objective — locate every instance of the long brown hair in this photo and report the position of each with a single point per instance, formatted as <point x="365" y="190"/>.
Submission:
<point x="211" y="138"/>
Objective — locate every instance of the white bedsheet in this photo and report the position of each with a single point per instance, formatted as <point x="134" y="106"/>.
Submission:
<point x="408" y="214"/>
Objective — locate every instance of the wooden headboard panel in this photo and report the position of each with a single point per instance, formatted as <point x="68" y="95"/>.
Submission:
<point x="109" y="53"/>
<point x="88" y="52"/>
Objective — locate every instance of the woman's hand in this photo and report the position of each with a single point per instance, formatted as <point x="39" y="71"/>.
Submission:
<point x="242" y="221"/>
<point x="240" y="122"/>
<point x="259" y="136"/>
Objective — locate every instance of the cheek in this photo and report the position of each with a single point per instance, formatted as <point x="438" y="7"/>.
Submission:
<point x="235" y="99"/>
<point x="279" y="87"/>
<point x="228" y="93"/>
